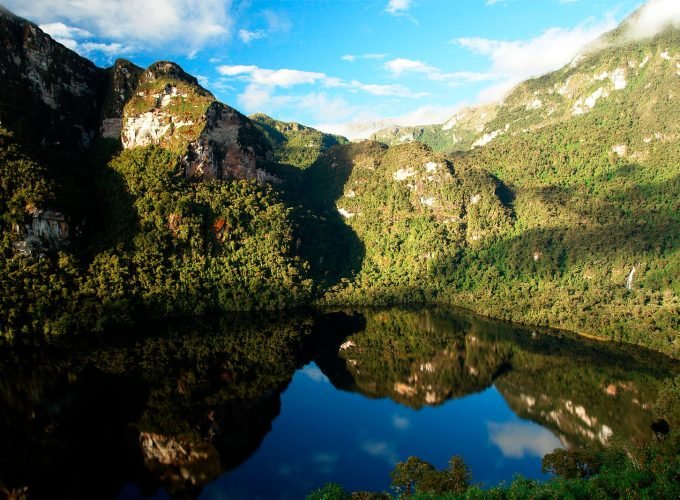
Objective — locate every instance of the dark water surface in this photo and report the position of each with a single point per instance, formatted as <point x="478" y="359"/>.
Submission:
<point x="275" y="407"/>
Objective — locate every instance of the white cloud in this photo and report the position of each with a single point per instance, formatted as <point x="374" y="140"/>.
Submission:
<point x="400" y="66"/>
<point x="272" y="77"/>
<point x="259" y="94"/>
<point x="515" y="61"/>
<point x="176" y="25"/>
<point x="354" y="57"/>
<point x="526" y="58"/>
<point x="60" y="30"/>
<point x="313" y="372"/>
<point x="517" y="440"/>
<point x="384" y="90"/>
<point x="112" y="50"/>
<point x="654" y="17"/>
<point x="248" y="36"/>
<point x="77" y="39"/>
<point x="203" y="80"/>
<point x="275" y="23"/>
<point x="397" y="7"/>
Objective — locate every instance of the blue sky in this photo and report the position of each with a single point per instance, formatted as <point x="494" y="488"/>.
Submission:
<point x="331" y="62"/>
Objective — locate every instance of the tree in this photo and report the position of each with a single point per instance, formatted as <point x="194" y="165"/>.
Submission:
<point x="407" y="474"/>
<point x="455" y="480"/>
<point x="570" y="464"/>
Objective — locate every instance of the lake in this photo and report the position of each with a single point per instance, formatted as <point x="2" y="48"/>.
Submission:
<point x="276" y="406"/>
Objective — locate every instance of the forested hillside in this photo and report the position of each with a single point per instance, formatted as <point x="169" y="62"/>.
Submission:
<point x="577" y="225"/>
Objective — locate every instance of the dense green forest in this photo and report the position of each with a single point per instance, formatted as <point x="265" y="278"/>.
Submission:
<point x="163" y="246"/>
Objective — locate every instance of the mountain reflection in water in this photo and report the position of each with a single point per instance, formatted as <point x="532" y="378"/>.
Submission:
<point x="188" y="409"/>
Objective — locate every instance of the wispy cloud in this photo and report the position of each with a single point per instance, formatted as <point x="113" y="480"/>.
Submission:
<point x="517" y="60"/>
<point x="400" y="66"/>
<point x="355" y="57"/>
<point x="271" y="22"/>
<point x="397" y="7"/>
<point x="247" y="36"/>
<point x="271" y="77"/>
<point x="80" y="40"/>
<point x="60" y="30"/>
<point x="260" y="93"/>
<point x="654" y="17"/>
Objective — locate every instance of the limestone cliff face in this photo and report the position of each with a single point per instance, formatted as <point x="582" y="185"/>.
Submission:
<point x="46" y="230"/>
<point x="48" y="93"/>
<point x="169" y="108"/>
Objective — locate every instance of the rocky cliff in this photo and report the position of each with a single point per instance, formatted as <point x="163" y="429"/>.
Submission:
<point x="169" y="108"/>
<point x="50" y="95"/>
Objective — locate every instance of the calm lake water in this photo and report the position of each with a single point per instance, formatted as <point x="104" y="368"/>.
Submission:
<point x="276" y="407"/>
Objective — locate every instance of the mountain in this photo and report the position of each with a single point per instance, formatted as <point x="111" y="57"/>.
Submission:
<point x="170" y="109"/>
<point x="458" y="133"/>
<point x="601" y="72"/>
<point x="125" y="187"/>
<point x="293" y="143"/>
<point x="590" y="155"/>
<point x="130" y="192"/>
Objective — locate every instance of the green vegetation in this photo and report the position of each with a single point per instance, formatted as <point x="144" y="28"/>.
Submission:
<point x="409" y="209"/>
<point x="164" y="246"/>
<point x="295" y="144"/>
<point x="22" y="183"/>
<point x="418" y="475"/>
<point x="568" y="220"/>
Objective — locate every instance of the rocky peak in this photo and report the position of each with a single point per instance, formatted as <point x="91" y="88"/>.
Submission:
<point x="48" y="92"/>
<point x="167" y="70"/>
<point x="169" y="108"/>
